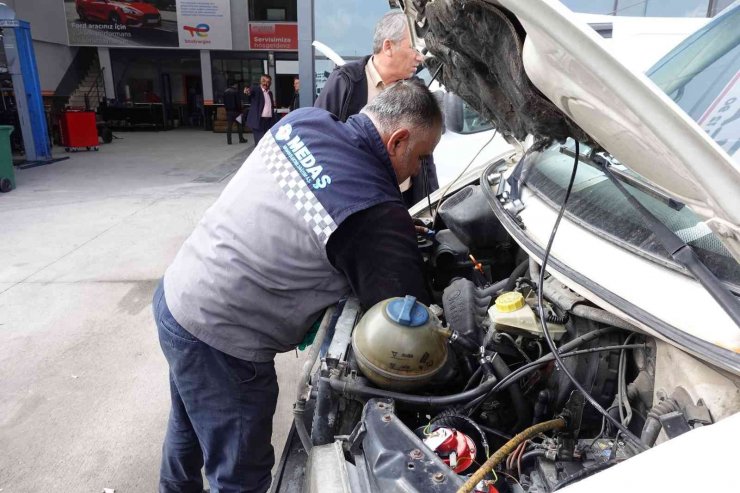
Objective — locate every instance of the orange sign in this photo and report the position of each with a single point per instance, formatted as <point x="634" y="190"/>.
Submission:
<point x="274" y="36"/>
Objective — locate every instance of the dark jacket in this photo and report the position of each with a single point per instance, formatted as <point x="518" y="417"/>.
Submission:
<point x="232" y="100"/>
<point x="256" y="105"/>
<point x="345" y="91"/>
<point x="296" y="102"/>
<point x="345" y="94"/>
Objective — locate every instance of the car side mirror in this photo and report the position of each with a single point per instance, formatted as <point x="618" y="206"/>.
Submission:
<point x="453" y="109"/>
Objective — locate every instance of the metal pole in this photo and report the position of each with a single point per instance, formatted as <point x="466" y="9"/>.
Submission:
<point x="27" y="87"/>
<point x="107" y="67"/>
<point x="306" y="65"/>
<point x="206" y="76"/>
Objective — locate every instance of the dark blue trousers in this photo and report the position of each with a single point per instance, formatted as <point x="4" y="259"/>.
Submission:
<point x="265" y="124"/>
<point x="221" y="415"/>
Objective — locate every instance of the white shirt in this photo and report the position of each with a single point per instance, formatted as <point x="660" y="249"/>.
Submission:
<point x="267" y="110"/>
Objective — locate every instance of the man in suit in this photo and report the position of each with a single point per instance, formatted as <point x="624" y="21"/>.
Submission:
<point x="261" y="107"/>
<point x="233" y="107"/>
<point x="296" y="94"/>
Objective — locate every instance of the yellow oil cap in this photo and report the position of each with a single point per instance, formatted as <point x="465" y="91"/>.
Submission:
<point x="510" y="302"/>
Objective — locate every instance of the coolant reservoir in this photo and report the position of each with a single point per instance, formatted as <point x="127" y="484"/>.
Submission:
<point x="511" y="313"/>
<point x="398" y="344"/>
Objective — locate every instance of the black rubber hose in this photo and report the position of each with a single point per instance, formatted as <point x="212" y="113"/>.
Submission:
<point x="344" y="386"/>
<point x="321" y="432"/>
<point x="557" y="319"/>
<point x="474" y="378"/>
<point x="532" y="454"/>
<point x="493" y="288"/>
<point x="518" y="272"/>
<point x="521" y="407"/>
<point x="652" y="427"/>
<point x="464" y="342"/>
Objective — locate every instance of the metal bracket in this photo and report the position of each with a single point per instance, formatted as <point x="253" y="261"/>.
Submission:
<point x="674" y="424"/>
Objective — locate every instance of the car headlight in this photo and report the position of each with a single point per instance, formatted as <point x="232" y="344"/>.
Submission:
<point x="131" y="11"/>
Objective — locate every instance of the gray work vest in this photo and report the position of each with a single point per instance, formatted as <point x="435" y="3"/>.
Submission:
<point x="254" y="275"/>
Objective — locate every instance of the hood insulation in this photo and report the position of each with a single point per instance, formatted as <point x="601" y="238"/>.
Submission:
<point x="484" y="67"/>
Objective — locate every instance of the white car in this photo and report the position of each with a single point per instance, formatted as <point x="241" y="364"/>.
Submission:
<point x="586" y="334"/>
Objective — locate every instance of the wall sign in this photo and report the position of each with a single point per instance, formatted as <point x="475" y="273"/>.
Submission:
<point x="273" y="36"/>
<point x="200" y="24"/>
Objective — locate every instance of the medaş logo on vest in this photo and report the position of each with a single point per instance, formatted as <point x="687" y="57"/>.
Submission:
<point x="303" y="160"/>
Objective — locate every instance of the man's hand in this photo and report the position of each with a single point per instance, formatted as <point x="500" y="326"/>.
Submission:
<point x="422" y="229"/>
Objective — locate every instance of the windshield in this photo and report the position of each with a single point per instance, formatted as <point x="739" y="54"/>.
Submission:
<point x="702" y="75"/>
<point x="599" y="205"/>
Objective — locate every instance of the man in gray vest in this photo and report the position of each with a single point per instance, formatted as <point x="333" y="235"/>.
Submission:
<point x="315" y="213"/>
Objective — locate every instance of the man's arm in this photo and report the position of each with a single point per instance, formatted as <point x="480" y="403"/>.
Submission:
<point x="376" y="249"/>
<point x="251" y="92"/>
<point x="333" y="93"/>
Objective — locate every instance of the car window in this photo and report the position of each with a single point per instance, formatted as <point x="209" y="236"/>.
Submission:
<point x="702" y="75"/>
<point x="599" y="205"/>
<point x="473" y="122"/>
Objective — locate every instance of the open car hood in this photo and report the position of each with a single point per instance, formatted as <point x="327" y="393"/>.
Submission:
<point x="531" y="68"/>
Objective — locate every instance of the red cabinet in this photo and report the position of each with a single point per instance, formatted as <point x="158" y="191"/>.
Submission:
<point x="78" y="130"/>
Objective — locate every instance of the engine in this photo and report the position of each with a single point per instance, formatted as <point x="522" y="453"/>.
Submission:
<point x="467" y="395"/>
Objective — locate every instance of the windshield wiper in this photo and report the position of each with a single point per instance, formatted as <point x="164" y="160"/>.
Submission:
<point x="682" y="253"/>
<point x="627" y="178"/>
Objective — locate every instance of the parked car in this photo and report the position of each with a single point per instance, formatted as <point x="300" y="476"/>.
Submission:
<point x="129" y="13"/>
<point x="614" y="368"/>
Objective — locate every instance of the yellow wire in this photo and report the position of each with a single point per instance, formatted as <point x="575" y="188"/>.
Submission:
<point x="426" y="429"/>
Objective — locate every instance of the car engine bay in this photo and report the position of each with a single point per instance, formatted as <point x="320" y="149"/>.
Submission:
<point x="465" y="395"/>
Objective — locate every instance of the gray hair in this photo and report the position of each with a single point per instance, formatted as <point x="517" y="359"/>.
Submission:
<point x="404" y="104"/>
<point x="391" y="26"/>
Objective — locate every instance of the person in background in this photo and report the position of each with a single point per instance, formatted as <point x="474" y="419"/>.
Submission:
<point x="261" y="113"/>
<point x="296" y="94"/>
<point x="356" y="83"/>
<point x="233" y="107"/>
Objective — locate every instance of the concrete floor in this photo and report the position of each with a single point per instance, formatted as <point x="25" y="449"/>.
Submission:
<point x="84" y="241"/>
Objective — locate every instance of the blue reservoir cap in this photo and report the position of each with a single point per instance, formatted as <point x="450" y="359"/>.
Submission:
<point x="407" y="311"/>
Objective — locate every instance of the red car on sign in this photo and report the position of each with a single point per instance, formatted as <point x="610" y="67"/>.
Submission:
<point x="130" y="13"/>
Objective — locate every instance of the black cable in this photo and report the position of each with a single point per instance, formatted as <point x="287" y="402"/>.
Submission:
<point x="543" y="315"/>
<point x="427" y="192"/>
<point x="436" y="72"/>
<point x="495" y="432"/>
